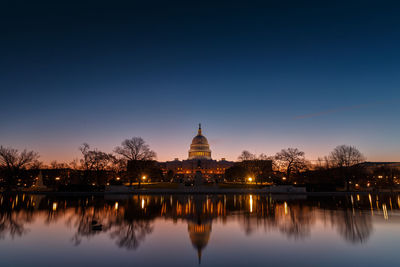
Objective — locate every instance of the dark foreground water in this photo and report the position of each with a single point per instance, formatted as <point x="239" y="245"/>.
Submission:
<point x="188" y="230"/>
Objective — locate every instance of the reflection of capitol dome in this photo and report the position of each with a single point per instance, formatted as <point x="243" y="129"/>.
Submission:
<point x="199" y="149"/>
<point x="199" y="235"/>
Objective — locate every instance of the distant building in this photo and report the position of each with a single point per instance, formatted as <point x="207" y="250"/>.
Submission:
<point x="199" y="158"/>
<point x="375" y="165"/>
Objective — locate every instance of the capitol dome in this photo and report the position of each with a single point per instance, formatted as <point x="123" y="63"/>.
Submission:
<point x="199" y="149"/>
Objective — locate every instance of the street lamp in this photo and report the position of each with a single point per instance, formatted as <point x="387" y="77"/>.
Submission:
<point x="250" y="179"/>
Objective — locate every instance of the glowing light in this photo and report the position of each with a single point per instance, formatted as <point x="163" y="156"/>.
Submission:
<point x="142" y="203"/>
<point x="251" y="203"/>
<point x="144" y="177"/>
<point x="380" y="176"/>
<point x="286" y="208"/>
<point x="116" y="206"/>
<point x="358" y="197"/>
<point x="118" y="178"/>
<point x="250" y="179"/>
<point x="368" y="184"/>
<point x="57" y="178"/>
<point x="54" y="206"/>
<point x="284" y="178"/>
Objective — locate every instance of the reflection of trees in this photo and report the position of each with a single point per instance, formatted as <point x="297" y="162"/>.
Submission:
<point x="130" y="235"/>
<point x="83" y="221"/>
<point x="11" y="224"/>
<point x="13" y="216"/>
<point x="127" y="222"/>
<point x="354" y="227"/>
<point x="296" y="222"/>
<point x="293" y="220"/>
<point x="134" y="225"/>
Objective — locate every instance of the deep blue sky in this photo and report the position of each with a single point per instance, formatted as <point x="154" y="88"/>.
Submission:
<point x="257" y="76"/>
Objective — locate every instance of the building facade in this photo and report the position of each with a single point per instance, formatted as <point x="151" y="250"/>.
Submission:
<point x="199" y="159"/>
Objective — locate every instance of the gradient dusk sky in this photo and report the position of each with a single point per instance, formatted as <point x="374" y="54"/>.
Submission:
<point x="258" y="76"/>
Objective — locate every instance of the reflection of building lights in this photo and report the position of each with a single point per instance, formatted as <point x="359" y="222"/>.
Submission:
<point x="385" y="213"/>
<point x="286" y="208"/>
<point x="54" y="206"/>
<point x="116" y="205"/>
<point x="398" y="201"/>
<point x="251" y="203"/>
<point x="370" y="203"/>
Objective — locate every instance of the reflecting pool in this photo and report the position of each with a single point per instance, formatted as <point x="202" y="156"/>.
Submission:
<point x="206" y="230"/>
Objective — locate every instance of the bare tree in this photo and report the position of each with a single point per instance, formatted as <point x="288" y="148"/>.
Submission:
<point x="74" y="164"/>
<point x="256" y="167"/>
<point x="344" y="157"/>
<point x="138" y="153"/>
<point x="291" y="160"/>
<point x="246" y="155"/>
<point x="135" y="149"/>
<point x="323" y="163"/>
<point x="13" y="162"/>
<point x="56" y="165"/>
<point x="95" y="161"/>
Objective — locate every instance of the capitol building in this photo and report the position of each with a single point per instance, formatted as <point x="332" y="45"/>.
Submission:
<point x="199" y="159"/>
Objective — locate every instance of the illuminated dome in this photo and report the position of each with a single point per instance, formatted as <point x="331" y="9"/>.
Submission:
<point x="199" y="149"/>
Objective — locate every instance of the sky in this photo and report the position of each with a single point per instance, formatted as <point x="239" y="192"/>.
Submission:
<point x="259" y="76"/>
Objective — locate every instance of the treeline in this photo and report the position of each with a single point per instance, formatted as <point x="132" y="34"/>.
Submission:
<point x="134" y="161"/>
<point x="344" y="167"/>
<point x="95" y="167"/>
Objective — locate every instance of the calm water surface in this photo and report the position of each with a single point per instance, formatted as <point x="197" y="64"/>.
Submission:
<point x="188" y="230"/>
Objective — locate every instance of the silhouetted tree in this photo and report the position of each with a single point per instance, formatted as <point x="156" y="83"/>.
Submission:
<point x="95" y="161"/>
<point x="56" y="165"/>
<point x="135" y="149"/>
<point x="291" y="160"/>
<point x="257" y="167"/>
<point x="138" y="153"/>
<point x="13" y="162"/>
<point x="246" y="155"/>
<point x="345" y="158"/>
